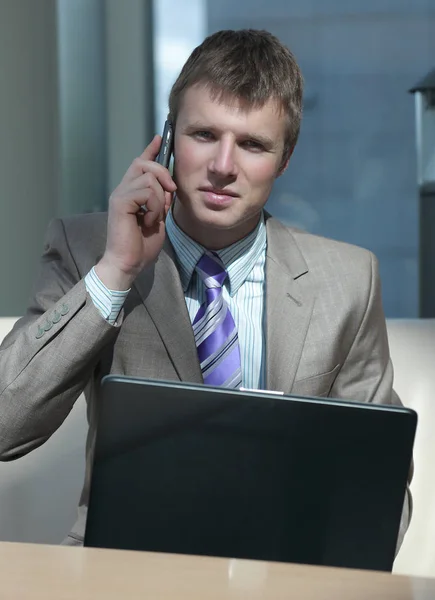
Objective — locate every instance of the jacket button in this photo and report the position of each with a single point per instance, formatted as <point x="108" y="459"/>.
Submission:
<point x="64" y="309"/>
<point x="56" y="317"/>
<point x="48" y="325"/>
<point x="40" y="332"/>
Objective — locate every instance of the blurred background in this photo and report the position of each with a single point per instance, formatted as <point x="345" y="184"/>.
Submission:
<point x="84" y="86"/>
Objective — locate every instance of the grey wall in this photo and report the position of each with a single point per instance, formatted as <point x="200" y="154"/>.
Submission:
<point x="353" y="175"/>
<point x="130" y="83"/>
<point x="28" y="142"/>
<point x="82" y="105"/>
<point x="105" y="96"/>
<point x="76" y="107"/>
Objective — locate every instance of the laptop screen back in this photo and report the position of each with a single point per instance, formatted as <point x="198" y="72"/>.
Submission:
<point x="197" y="470"/>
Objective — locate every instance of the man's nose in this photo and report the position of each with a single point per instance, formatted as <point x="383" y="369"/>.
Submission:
<point x="223" y="162"/>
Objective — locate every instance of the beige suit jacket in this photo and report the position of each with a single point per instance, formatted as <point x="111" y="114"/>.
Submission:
<point x="326" y="333"/>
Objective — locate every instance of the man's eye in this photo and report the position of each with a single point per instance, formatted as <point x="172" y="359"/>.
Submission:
<point x="203" y="135"/>
<point x="253" y="145"/>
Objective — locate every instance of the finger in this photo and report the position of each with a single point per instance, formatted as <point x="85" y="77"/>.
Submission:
<point x="140" y="169"/>
<point x="133" y="201"/>
<point x="150" y="220"/>
<point x="144" y="181"/>
<point x="154" y="205"/>
<point x="151" y="151"/>
<point x="154" y="188"/>
<point x="169" y="197"/>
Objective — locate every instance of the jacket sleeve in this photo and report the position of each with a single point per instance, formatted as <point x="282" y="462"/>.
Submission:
<point x="49" y="356"/>
<point x="370" y="354"/>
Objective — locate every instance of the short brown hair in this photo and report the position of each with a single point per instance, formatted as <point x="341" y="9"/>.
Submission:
<point x="250" y="65"/>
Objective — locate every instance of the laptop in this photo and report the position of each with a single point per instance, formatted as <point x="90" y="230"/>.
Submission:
<point x="193" y="469"/>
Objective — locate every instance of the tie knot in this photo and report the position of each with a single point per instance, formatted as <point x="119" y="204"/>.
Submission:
<point x="211" y="270"/>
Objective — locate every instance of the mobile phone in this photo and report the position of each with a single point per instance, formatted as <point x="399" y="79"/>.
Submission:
<point x="164" y="155"/>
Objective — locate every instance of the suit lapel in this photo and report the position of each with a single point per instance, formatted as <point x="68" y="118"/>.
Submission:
<point x="288" y="309"/>
<point x="163" y="297"/>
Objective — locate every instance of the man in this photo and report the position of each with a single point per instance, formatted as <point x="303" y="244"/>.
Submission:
<point x="202" y="286"/>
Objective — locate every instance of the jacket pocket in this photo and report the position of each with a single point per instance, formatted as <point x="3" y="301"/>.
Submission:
<point x="318" y="385"/>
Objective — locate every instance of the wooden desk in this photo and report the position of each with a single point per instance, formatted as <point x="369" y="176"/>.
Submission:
<point x="30" y="571"/>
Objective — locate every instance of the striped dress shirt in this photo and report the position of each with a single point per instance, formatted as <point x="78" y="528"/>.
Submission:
<point x="244" y="291"/>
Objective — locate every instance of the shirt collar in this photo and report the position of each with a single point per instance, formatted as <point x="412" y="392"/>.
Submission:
<point x="239" y="259"/>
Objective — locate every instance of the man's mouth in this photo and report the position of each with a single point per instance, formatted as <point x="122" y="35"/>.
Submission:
<point x="219" y="192"/>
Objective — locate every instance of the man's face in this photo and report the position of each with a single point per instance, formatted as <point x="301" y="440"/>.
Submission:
<point x="225" y="162"/>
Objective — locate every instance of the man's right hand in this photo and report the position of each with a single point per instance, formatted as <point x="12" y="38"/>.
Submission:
<point x="134" y="239"/>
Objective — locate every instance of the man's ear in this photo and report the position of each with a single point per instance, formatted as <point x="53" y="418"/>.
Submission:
<point x="285" y="163"/>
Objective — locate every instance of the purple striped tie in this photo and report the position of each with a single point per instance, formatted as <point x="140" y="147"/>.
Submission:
<point x="214" y="329"/>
